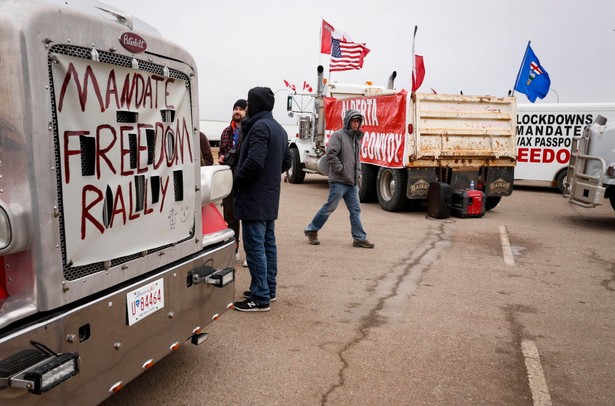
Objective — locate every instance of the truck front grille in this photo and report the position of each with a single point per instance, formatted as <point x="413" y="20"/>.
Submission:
<point x="76" y="272"/>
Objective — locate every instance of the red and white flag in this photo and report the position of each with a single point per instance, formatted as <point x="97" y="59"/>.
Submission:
<point x="306" y="86"/>
<point x="346" y="55"/>
<point x="290" y="86"/>
<point x="327" y="33"/>
<point x="418" y="72"/>
<point x="325" y="37"/>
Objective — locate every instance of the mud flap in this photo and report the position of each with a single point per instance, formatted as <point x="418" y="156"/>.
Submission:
<point x="418" y="182"/>
<point x="499" y="181"/>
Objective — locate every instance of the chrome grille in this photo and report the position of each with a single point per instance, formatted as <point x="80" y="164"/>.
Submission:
<point x="75" y="272"/>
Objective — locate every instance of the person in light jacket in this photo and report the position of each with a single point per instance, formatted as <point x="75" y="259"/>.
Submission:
<point x="344" y="180"/>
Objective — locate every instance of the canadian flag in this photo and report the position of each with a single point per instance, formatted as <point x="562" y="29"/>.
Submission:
<point x="326" y="33"/>
<point x="290" y="86"/>
<point x="418" y="74"/>
<point x="306" y="86"/>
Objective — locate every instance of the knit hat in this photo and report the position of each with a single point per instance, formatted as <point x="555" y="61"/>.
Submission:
<point x="240" y="103"/>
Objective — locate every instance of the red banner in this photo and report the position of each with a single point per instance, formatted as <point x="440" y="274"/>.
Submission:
<point x="384" y="125"/>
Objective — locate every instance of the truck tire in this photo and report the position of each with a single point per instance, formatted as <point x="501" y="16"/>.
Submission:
<point x="295" y="173"/>
<point x="367" y="191"/>
<point x="612" y="200"/>
<point x="391" y="189"/>
<point x="492" y="201"/>
<point x="560" y="179"/>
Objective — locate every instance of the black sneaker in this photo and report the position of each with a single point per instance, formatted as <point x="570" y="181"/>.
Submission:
<point x="249" y="305"/>
<point x="363" y="244"/>
<point x="247" y="294"/>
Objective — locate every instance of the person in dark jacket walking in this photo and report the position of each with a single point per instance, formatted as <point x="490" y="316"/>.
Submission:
<point x="264" y="155"/>
<point x="344" y="178"/>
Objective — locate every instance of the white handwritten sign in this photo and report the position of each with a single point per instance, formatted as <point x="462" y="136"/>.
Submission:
<point x="126" y="158"/>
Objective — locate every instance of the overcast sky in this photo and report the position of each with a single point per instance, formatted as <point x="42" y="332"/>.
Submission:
<point x="474" y="46"/>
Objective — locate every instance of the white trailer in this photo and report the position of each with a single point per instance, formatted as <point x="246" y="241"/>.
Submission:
<point x="213" y="130"/>
<point x="544" y="136"/>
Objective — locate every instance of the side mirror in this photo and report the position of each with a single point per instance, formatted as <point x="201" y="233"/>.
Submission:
<point x="289" y="103"/>
<point x="600" y="120"/>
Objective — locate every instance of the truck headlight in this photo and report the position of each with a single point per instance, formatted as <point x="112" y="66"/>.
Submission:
<point x="206" y="274"/>
<point x="47" y="374"/>
<point x="610" y="171"/>
<point x="221" y="278"/>
<point x="54" y="372"/>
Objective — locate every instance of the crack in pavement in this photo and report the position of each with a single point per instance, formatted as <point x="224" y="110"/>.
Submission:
<point x="609" y="267"/>
<point x="410" y="274"/>
<point x="521" y="385"/>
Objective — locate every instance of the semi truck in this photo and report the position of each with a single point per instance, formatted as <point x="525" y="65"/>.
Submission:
<point x="591" y="172"/>
<point x="410" y="140"/>
<point x="113" y="253"/>
<point x="544" y="136"/>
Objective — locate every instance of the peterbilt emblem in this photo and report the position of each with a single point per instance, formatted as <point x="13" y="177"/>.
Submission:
<point x="133" y="42"/>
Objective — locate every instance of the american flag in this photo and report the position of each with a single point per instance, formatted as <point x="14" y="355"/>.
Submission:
<point x="346" y="55"/>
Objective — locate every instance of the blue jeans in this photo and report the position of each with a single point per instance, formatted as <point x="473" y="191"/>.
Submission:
<point x="262" y="256"/>
<point x="350" y="194"/>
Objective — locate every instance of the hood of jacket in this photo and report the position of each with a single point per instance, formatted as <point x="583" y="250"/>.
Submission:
<point x="260" y="99"/>
<point x="351" y="114"/>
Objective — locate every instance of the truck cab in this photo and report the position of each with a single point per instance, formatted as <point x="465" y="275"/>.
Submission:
<point x="591" y="172"/>
<point x="112" y="250"/>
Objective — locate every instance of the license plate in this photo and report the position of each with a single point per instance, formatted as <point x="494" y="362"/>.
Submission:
<point x="144" y="301"/>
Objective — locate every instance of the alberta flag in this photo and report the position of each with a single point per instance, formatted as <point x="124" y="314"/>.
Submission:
<point x="532" y="79"/>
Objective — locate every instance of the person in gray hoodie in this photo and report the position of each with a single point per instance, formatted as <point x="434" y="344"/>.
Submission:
<point x="344" y="179"/>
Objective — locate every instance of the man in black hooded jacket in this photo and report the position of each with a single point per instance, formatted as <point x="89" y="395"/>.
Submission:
<point x="263" y="157"/>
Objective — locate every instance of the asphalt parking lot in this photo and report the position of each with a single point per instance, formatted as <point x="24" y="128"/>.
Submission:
<point x="435" y="314"/>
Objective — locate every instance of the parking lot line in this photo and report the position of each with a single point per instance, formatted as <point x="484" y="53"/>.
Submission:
<point x="535" y="374"/>
<point x="506" y="250"/>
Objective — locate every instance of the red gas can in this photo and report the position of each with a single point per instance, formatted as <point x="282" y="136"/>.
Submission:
<point x="468" y="203"/>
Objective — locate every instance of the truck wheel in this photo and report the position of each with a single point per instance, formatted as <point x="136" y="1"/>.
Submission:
<point x="492" y="201"/>
<point x="367" y="191"/>
<point x="612" y="200"/>
<point x="391" y="189"/>
<point x="295" y="173"/>
<point x="560" y="179"/>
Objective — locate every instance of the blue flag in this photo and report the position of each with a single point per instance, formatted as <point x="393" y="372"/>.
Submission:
<point x="532" y="80"/>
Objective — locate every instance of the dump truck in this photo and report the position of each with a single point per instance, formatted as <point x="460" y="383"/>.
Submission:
<point x="113" y="253"/>
<point x="410" y="140"/>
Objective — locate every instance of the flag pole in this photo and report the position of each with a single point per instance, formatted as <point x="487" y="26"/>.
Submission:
<point x="322" y="21"/>
<point x="330" y="57"/>
<point x="521" y="67"/>
<point x="416" y="27"/>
